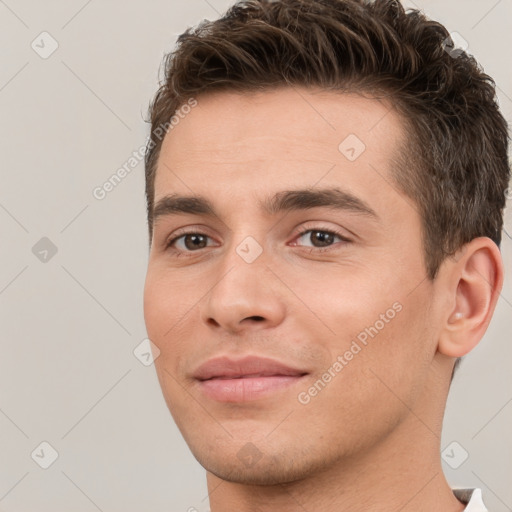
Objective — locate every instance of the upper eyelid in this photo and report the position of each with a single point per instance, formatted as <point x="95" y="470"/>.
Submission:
<point x="336" y="233"/>
<point x="319" y="228"/>
<point x="201" y="231"/>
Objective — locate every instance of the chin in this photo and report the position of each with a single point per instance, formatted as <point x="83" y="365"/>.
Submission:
<point x="249" y="466"/>
<point x="266" y="475"/>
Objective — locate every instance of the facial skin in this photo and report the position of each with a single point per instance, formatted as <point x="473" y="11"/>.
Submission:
<point x="370" y="438"/>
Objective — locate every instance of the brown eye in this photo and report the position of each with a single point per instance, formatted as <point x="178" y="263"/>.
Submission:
<point x="195" y="241"/>
<point x="320" y="238"/>
<point x="188" y="242"/>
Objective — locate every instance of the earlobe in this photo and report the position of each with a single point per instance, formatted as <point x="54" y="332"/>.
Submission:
<point x="476" y="280"/>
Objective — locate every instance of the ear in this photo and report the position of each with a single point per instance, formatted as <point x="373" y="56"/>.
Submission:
<point x="474" y="282"/>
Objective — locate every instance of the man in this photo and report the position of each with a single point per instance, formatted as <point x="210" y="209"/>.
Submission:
<point x="325" y="183"/>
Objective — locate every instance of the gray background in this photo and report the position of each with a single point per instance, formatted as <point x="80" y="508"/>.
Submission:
<point x="69" y="325"/>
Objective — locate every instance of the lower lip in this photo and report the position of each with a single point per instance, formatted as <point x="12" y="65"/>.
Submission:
<point x="246" y="389"/>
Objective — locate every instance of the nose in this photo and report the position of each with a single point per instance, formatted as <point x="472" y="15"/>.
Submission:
<point x="244" y="295"/>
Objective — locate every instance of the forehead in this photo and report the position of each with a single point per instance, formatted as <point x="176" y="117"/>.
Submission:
<point x="280" y="112"/>
<point x="277" y="138"/>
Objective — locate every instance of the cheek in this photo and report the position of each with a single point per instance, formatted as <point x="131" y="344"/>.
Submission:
<point x="374" y="318"/>
<point x="165" y="303"/>
<point x="349" y="300"/>
<point x="155" y="310"/>
<point x="168" y="310"/>
<point x="397" y="346"/>
<point x="382" y="366"/>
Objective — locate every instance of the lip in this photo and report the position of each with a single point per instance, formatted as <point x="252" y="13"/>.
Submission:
<point x="239" y="380"/>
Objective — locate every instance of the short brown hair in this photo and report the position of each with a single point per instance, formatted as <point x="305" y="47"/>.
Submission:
<point x="455" y="166"/>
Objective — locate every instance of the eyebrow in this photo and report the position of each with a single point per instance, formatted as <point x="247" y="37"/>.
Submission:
<point x="284" y="201"/>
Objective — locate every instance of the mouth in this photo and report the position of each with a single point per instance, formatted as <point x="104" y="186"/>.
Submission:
<point x="251" y="378"/>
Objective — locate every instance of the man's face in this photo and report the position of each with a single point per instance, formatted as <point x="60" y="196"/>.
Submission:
<point x="281" y="353"/>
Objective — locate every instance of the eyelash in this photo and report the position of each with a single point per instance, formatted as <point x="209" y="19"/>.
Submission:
<point x="322" y="230"/>
<point x="170" y="242"/>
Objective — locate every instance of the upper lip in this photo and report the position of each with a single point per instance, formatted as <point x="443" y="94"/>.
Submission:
<point x="249" y="366"/>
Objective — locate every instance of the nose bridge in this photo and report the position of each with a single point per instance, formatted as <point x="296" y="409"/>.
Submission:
<point x="242" y="289"/>
<point x="242" y="270"/>
<point x="247" y="242"/>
